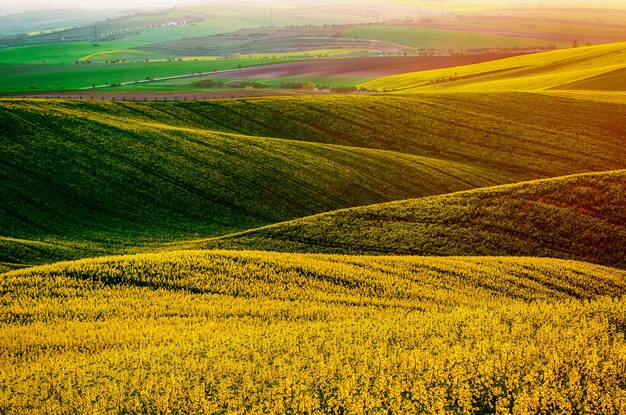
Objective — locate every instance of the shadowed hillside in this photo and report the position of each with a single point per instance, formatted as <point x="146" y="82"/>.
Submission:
<point x="81" y="180"/>
<point x="582" y="217"/>
<point x="91" y="178"/>
<point x="532" y="136"/>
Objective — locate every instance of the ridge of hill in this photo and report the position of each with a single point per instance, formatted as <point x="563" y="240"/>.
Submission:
<point x="579" y="217"/>
<point x="533" y="136"/>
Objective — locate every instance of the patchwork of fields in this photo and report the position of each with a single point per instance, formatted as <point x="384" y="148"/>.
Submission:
<point x="435" y="38"/>
<point x="449" y="240"/>
<point x="16" y="79"/>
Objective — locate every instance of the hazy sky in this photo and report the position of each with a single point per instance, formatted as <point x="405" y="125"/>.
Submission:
<point x="13" y="6"/>
<point x="16" y="6"/>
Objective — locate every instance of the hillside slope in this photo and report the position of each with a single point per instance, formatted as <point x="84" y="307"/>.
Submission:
<point x="533" y="136"/>
<point x="561" y="69"/>
<point x="90" y="178"/>
<point x="93" y="181"/>
<point x="255" y="332"/>
<point x="582" y="217"/>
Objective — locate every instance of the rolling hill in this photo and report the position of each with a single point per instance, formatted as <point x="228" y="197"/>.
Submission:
<point x="581" y="216"/>
<point x="107" y="177"/>
<point x="561" y="69"/>
<point x="113" y="177"/>
<point x="46" y="20"/>
<point x="200" y="331"/>
<point x="533" y="136"/>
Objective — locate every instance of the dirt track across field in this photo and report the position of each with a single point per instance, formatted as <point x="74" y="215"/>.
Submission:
<point x="113" y="95"/>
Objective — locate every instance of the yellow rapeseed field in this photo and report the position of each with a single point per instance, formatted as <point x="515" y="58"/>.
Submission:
<point x="218" y="332"/>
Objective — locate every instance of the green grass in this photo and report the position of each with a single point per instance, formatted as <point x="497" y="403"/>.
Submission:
<point x="580" y="217"/>
<point x="442" y="38"/>
<point x="533" y="72"/>
<point x="59" y="52"/>
<point x="211" y="26"/>
<point x="253" y="332"/>
<point x="124" y="55"/>
<point x="518" y="140"/>
<point x="112" y="177"/>
<point x="55" y="77"/>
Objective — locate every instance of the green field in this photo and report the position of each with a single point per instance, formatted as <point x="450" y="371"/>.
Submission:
<point x="426" y="38"/>
<point x="188" y="181"/>
<point x="534" y="72"/>
<point x="56" y="77"/>
<point x="210" y="26"/>
<point x="60" y="52"/>
<point x="519" y="140"/>
<point x="202" y="169"/>
<point x="581" y="216"/>
<point x="249" y="331"/>
<point x="254" y="332"/>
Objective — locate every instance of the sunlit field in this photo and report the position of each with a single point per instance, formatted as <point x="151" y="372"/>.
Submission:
<point x="406" y="207"/>
<point x="207" y="331"/>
